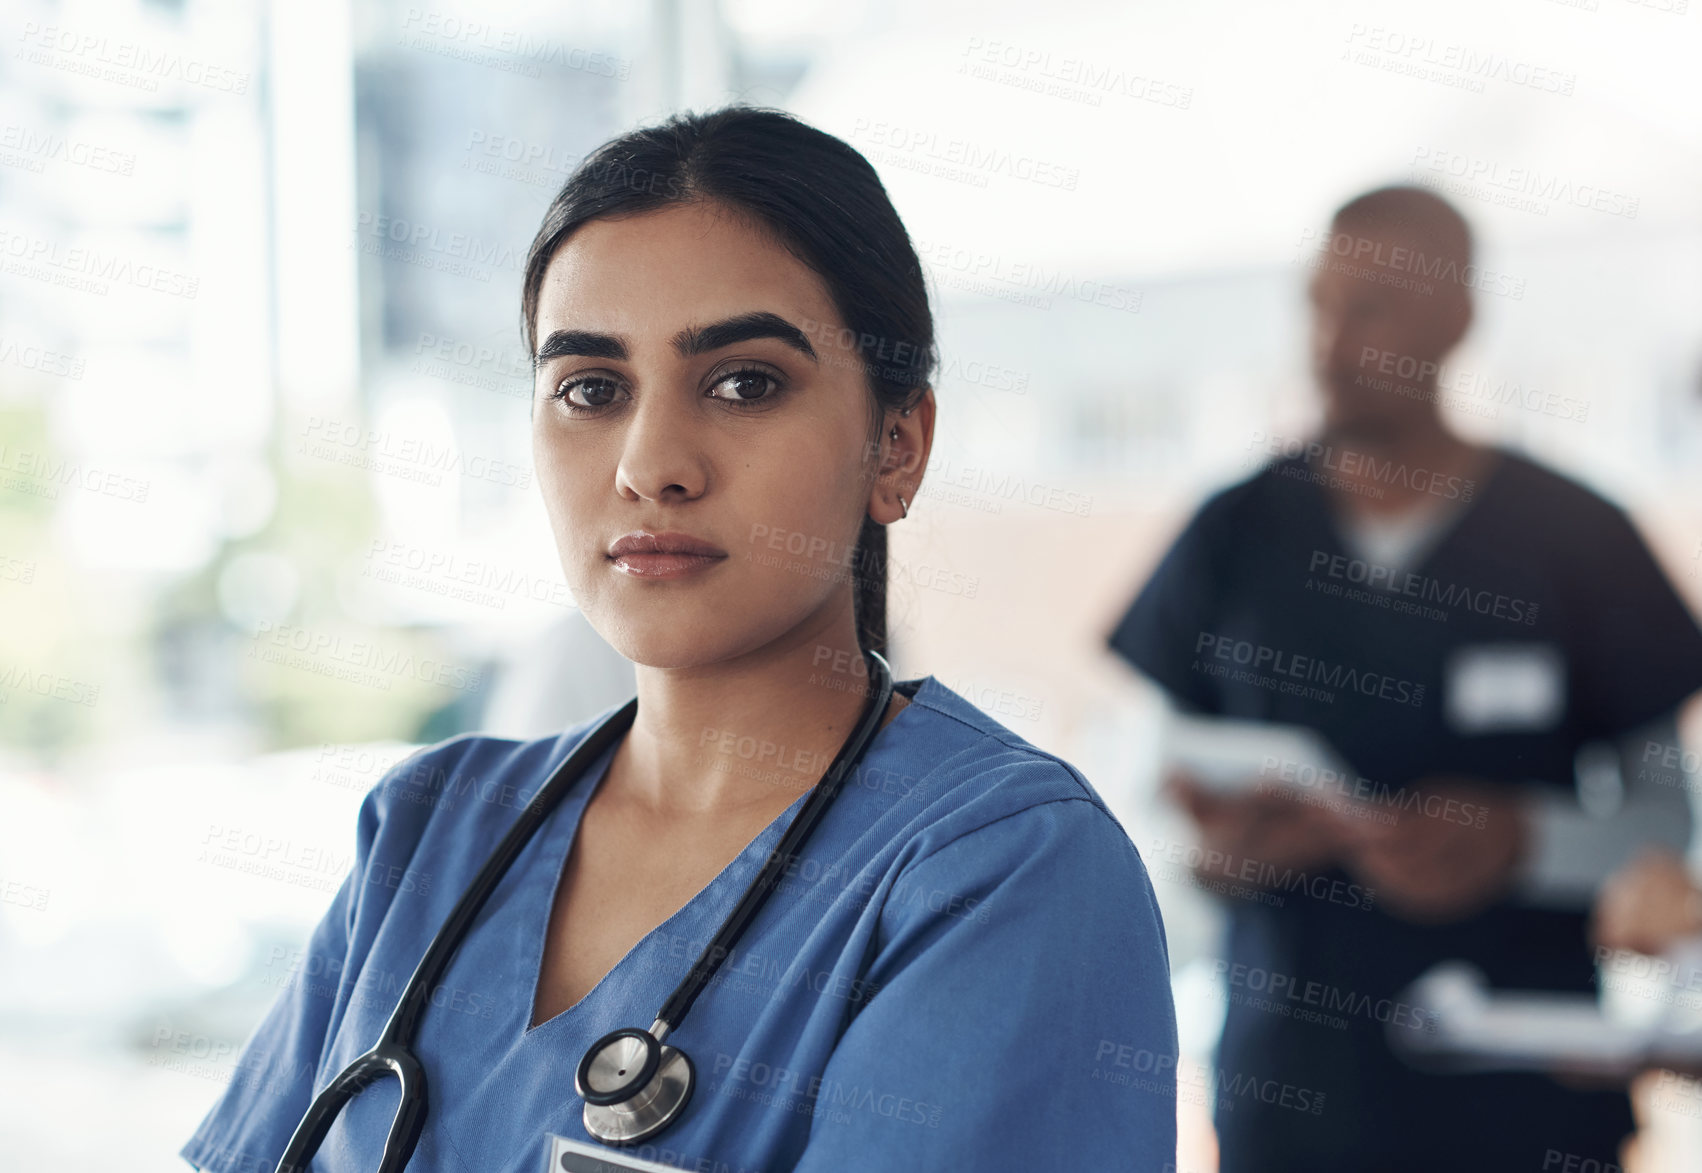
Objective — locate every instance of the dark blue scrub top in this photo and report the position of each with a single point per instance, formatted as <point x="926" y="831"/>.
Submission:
<point x="965" y="970"/>
<point x="1259" y="611"/>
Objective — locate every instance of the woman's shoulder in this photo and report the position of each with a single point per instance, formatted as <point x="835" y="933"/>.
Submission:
<point x="1010" y="843"/>
<point x="974" y="772"/>
<point x="469" y="782"/>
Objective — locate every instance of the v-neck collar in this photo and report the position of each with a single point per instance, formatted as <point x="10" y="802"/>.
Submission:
<point x="561" y="848"/>
<point x="558" y="842"/>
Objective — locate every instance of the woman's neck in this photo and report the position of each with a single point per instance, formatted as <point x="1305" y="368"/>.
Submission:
<point x="753" y="733"/>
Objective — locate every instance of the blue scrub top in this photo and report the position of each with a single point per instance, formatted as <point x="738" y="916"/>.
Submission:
<point x="966" y="969"/>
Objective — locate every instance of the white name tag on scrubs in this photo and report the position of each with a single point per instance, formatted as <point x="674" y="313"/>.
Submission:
<point x="573" y="1156"/>
<point x="1494" y="688"/>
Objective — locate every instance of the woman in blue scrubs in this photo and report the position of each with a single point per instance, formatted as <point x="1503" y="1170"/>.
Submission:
<point x="965" y="966"/>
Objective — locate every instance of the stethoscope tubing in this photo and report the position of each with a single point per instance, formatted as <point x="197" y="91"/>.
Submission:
<point x="392" y="1055"/>
<point x="680" y="1002"/>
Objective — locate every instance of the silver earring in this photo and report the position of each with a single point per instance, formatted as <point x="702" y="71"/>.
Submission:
<point x="903" y="506"/>
<point x="895" y="434"/>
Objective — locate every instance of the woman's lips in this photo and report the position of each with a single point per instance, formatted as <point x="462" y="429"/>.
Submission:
<point x="664" y="565"/>
<point x="669" y="554"/>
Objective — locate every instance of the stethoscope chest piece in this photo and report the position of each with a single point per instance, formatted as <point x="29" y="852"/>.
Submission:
<point x="633" y="1085"/>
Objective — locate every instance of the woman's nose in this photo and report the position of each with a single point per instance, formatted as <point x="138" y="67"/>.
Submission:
<point x="661" y="450"/>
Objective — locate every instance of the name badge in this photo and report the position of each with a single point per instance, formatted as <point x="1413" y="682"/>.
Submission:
<point x="573" y="1156"/>
<point x="1508" y="687"/>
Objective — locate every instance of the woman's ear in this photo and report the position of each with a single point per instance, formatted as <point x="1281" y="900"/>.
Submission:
<point x="903" y="459"/>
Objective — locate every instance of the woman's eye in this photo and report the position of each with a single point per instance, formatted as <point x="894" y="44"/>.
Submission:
<point x="750" y="386"/>
<point x="593" y="392"/>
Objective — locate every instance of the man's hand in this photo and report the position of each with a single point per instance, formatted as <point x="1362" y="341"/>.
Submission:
<point x="1647" y="905"/>
<point x="1267" y="827"/>
<point x="1446" y="855"/>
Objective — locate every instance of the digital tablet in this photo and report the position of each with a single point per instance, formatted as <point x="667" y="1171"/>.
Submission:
<point x="1232" y="756"/>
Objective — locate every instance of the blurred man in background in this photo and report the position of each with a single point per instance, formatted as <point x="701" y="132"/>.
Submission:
<point x="1462" y="627"/>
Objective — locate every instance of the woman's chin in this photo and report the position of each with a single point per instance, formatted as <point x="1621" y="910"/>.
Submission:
<point x="666" y="644"/>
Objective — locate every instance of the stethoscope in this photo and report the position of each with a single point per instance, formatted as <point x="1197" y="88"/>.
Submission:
<point x="632" y="1085"/>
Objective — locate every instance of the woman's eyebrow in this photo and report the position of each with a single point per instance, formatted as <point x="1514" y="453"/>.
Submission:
<point x="693" y="340"/>
<point x="583" y="342"/>
<point x="742" y="328"/>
